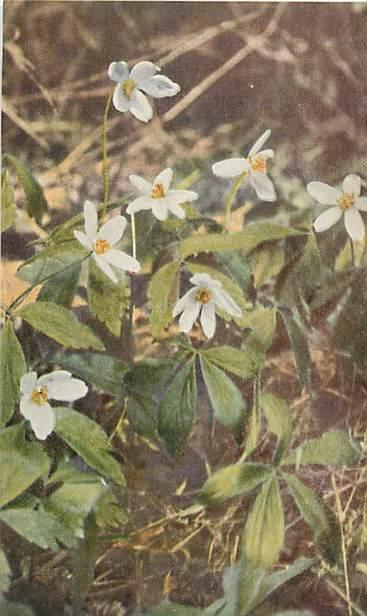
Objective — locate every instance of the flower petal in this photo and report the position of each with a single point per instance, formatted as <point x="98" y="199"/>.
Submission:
<point x="142" y="71"/>
<point x="140" y="203"/>
<point x="28" y="382"/>
<point x="159" y="86"/>
<point x="140" y="184"/>
<point x="201" y="279"/>
<point x="352" y="185"/>
<point x="106" y="269"/>
<point x="327" y="219"/>
<point x="182" y="196"/>
<point x="160" y="209"/>
<point x="41" y="417"/>
<point x="259" y="143"/>
<point x="120" y="101"/>
<point x="265" y="154"/>
<point x="189" y="316"/>
<point x="90" y="220"/>
<point x="323" y="193"/>
<point x="230" y="168"/>
<point x="83" y="239"/>
<point x="122" y="260"/>
<point x="225" y="301"/>
<point x="263" y="186"/>
<point x="361" y="204"/>
<point x="208" y="320"/>
<point x="164" y="178"/>
<point x="175" y="209"/>
<point x="62" y="385"/>
<point x="184" y="301"/>
<point x="140" y="106"/>
<point x="118" y="71"/>
<point x="112" y="230"/>
<point x="354" y="224"/>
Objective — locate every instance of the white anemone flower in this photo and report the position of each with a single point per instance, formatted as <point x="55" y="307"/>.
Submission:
<point x="101" y="242"/>
<point x="206" y="294"/>
<point x="36" y="392"/>
<point x="253" y="167"/>
<point x="158" y="197"/>
<point x="347" y="202"/>
<point x="128" y="94"/>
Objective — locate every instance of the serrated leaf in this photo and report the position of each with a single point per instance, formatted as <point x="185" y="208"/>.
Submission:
<point x="263" y="535"/>
<point x="8" y="207"/>
<point x="262" y="322"/>
<point x="103" y="371"/>
<point x="178" y="408"/>
<point x="241" y="585"/>
<point x="36" y="202"/>
<point x="318" y="516"/>
<point x="162" y="294"/>
<point x="142" y="412"/>
<point x="226" y="399"/>
<point x="60" y="324"/>
<point x="233" y="480"/>
<point x="12" y="368"/>
<point x="22" y="463"/>
<point x="62" y="287"/>
<point x="333" y="447"/>
<point x="300" y="347"/>
<point x="108" y="512"/>
<point x="107" y="300"/>
<point x="50" y="261"/>
<point x="267" y="263"/>
<point x="236" y="265"/>
<point x="279" y="421"/>
<point x="236" y="361"/>
<point x="95" y="449"/>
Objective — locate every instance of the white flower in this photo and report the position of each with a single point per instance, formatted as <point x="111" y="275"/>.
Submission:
<point x="206" y="294"/>
<point x="346" y="201"/>
<point x="254" y="167"/>
<point x="101" y="242"/>
<point x="36" y="392"/>
<point x="158" y="197"/>
<point x="128" y="94"/>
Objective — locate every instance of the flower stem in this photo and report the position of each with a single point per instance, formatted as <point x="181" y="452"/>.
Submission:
<point x="133" y="234"/>
<point x="231" y="197"/>
<point x="353" y="252"/>
<point x="105" y="164"/>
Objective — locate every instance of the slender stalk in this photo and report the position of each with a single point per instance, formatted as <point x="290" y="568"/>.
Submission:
<point x="133" y="234"/>
<point x="353" y="252"/>
<point x="231" y="197"/>
<point x="341" y="594"/>
<point x="344" y="552"/>
<point x="105" y="164"/>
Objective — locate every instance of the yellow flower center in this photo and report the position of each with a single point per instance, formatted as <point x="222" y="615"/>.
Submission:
<point x="346" y="201"/>
<point x="257" y="164"/>
<point x="101" y="246"/>
<point x="202" y="296"/>
<point x="39" y="395"/>
<point x="158" y="191"/>
<point x="128" y="87"/>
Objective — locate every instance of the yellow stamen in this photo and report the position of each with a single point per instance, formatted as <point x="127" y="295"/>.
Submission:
<point x="101" y="246"/>
<point x="257" y="164"/>
<point x="203" y="296"/>
<point x="128" y="87"/>
<point x="39" y="395"/>
<point x="158" y="191"/>
<point x="346" y="201"/>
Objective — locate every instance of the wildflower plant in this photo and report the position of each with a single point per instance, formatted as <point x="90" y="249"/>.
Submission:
<point x="245" y="285"/>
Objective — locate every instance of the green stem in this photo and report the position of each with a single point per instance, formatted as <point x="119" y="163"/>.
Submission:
<point x="133" y="234"/>
<point x="231" y="197"/>
<point x="105" y="164"/>
<point x="353" y="252"/>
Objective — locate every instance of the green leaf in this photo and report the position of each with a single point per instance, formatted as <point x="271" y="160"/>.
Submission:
<point x="5" y="573"/>
<point x="262" y="322"/>
<point x="60" y="324"/>
<point x="103" y="371"/>
<point x="62" y="287"/>
<point x="51" y="260"/>
<point x="36" y="202"/>
<point x="236" y="265"/>
<point x="246" y="240"/>
<point x="268" y="261"/>
<point x="333" y="447"/>
<point x="22" y="463"/>
<point x="177" y="409"/>
<point x="10" y="608"/>
<point x="107" y="300"/>
<point x="94" y="448"/>
<point x="295" y="613"/>
<point x="8" y="207"/>
<point x="263" y="535"/>
<point x="241" y="585"/>
<point x="167" y="608"/>
<point x="226" y="399"/>
<point x="318" y="516"/>
<point x="12" y="368"/>
<point x="351" y="325"/>
<point x="142" y="411"/>
<point x="300" y="347"/>
<point x="162" y="294"/>
<point x="279" y="421"/>
<point x="234" y="480"/>
<point x="108" y="512"/>
<point x="237" y="361"/>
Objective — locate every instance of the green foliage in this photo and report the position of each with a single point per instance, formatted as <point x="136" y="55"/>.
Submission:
<point x="8" y="207"/>
<point x="107" y="300"/>
<point x="267" y="263"/>
<point x="333" y="447"/>
<point x="226" y="399"/>
<point x="50" y="261"/>
<point x="262" y="322"/>
<point x="88" y="440"/>
<point x="177" y="409"/>
<point x="62" y="287"/>
<point x="22" y="462"/>
<point x="162" y="294"/>
<point x="300" y="347"/>
<point x="108" y="512"/>
<point x="234" y="480"/>
<point x="351" y="325"/>
<point x="5" y="573"/>
<point x="12" y="368"/>
<point x="103" y="371"/>
<point x="279" y="421"/>
<point x="60" y="324"/>
<point x="237" y="361"/>
<point x="236" y="265"/>
<point x="10" y="608"/>
<point x="36" y="202"/>
<point x="263" y="535"/>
